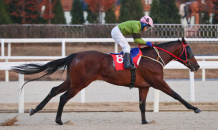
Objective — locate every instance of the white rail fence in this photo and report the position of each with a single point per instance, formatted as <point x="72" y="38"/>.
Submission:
<point x="63" y="41"/>
<point x="172" y="65"/>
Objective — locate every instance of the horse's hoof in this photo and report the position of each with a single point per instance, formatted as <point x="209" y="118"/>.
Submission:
<point x="59" y="122"/>
<point x="145" y="122"/>
<point x="197" y="111"/>
<point x="32" y="112"/>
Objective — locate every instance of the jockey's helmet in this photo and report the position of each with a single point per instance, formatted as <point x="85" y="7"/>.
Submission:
<point x="146" y="21"/>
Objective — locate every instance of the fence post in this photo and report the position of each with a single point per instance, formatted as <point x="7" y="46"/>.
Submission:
<point x="203" y="73"/>
<point x="184" y="31"/>
<point x="9" y="49"/>
<point x="192" y="87"/>
<point x="115" y="47"/>
<point x="217" y="30"/>
<point x="83" y="96"/>
<point x="63" y="48"/>
<point x="6" y="60"/>
<point x="156" y="100"/>
<point x="2" y="48"/>
<point x="21" y="94"/>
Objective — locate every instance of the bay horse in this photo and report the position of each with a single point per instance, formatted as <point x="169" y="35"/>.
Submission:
<point x="190" y="9"/>
<point x="85" y="67"/>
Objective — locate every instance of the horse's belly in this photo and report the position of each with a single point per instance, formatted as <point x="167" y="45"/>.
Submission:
<point x="123" y="78"/>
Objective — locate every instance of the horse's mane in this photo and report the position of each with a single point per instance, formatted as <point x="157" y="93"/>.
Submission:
<point x="161" y="45"/>
<point x="167" y="43"/>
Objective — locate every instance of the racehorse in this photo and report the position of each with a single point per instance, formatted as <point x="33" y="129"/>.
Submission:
<point x="190" y="9"/>
<point x="85" y="67"/>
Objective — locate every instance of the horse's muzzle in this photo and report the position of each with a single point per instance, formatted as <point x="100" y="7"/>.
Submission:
<point x="194" y="67"/>
<point x="198" y="67"/>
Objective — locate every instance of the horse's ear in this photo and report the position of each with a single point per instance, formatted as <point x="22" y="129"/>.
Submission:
<point x="183" y="40"/>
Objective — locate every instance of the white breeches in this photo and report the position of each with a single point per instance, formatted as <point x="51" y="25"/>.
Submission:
<point x="120" y="39"/>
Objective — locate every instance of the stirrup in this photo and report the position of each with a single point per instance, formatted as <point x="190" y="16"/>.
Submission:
<point x="128" y="65"/>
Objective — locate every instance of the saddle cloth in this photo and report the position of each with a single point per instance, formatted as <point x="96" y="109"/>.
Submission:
<point x="135" y="58"/>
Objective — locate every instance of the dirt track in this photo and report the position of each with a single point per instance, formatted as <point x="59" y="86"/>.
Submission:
<point x="115" y="121"/>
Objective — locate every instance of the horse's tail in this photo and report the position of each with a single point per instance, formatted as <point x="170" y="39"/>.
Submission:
<point x="49" y="68"/>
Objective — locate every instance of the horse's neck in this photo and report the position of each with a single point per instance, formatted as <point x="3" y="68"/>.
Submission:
<point x="174" y="48"/>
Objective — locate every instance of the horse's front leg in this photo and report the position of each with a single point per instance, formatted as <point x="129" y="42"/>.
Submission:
<point x="142" y="102"/>
<point x="164" y="87"/>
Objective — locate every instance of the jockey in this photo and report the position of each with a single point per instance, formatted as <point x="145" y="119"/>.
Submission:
<point x="131" y="28"/>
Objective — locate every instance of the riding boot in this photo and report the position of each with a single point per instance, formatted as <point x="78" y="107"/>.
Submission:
<point x="127" y="62"/>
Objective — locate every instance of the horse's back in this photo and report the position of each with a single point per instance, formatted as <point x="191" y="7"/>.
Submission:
<point x="89" y="58"/>
<point x="90" y="63"/>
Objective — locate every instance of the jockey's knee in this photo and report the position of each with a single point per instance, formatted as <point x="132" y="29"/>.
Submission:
<point x="126" y="49"/>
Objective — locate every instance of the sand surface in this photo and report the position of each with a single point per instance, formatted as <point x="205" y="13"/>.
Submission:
<point x="115" y="121"/>
<point x="99" y="91"/>
<point x="103" y="92"/>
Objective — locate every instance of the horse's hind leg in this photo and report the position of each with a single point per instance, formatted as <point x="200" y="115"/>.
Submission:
<point x="163" y="86"/>
<point x="54" y="91"/>
<point x="71" y="92"/>
<point x="142" y="102"/>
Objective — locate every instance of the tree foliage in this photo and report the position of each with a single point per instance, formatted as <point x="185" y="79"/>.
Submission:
<point x="4" y="15"/>
<point x="35" y="11"/>
<point x="26" y="10"/>
<point x="97" y="6"/>
<point x="155" y="11"/>
<point x="110" y="16"/>
<point x="169" y="13"/>
<point x="92" y="17"/>
<point x="48" y="12"/>
<point x="59" y="17"/>
<point x="131" y="10"/>
<point x="215" y="11"/>
<point x="77" y="13"/>
<point x="205" y="18"/>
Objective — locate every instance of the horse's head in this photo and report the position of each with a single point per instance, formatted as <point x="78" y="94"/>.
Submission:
<point x="188" y="56"/>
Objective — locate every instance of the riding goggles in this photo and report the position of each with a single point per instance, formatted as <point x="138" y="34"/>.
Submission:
<point x="143" y="25"/>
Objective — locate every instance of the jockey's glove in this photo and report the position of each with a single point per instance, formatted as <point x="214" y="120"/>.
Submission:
<point x="149" y="44"/>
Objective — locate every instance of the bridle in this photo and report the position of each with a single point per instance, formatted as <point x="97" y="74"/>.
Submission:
<point x="184" y="53"/>
<point x="185" y="49"/>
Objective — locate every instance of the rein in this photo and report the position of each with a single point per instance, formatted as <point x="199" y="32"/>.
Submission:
<point x="176" y="57"/>
<point x="163" y="64"/>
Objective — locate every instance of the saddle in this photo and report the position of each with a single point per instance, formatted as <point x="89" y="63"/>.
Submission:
<point x="135" y="58"/>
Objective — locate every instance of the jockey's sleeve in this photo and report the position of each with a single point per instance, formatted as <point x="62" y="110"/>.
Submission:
<point x="137" y="38"/>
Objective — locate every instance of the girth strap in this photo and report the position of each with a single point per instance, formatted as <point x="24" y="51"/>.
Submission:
<point x="133" y="77"/>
